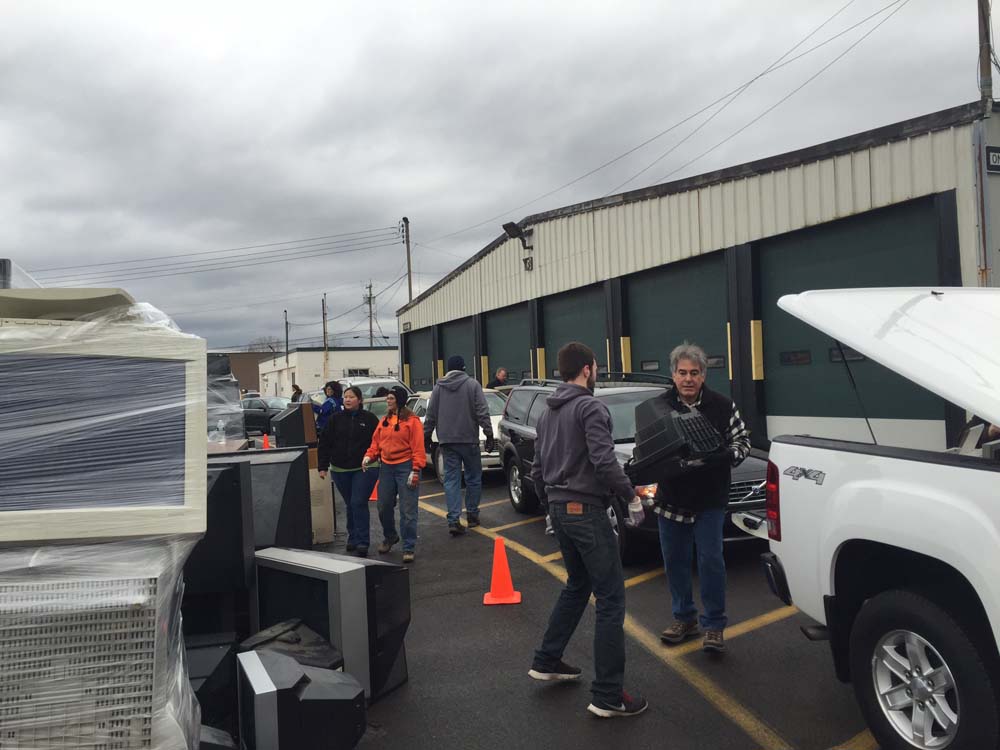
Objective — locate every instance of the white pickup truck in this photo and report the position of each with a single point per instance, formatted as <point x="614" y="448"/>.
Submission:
<point x="896" y="551"/>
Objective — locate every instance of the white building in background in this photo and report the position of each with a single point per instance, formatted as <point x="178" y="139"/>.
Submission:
<point x="311" y="367"/>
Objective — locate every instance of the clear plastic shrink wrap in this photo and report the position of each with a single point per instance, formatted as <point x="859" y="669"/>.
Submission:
<point x="102" y="498"/>
<point x="102" y="418"/>
<point x="12" y="276"/>
<point x="90" y="647"/>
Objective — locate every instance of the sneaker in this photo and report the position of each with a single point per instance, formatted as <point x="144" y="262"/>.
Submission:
<point x="472" y="520"/>
<point x="714" y="642"/>
<point x="631" y="705"/>
<point x="561" y="671"/>
<point x="351" y="547"/>
<point x="408" y="556"/>
<point x="386" y="545"/>
<point x="679" y="631"/>
<point x="549" y="530"/>
<point x="456" y="529"/>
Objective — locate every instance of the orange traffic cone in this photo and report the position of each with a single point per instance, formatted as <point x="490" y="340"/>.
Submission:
<point x="374" y="496"/>
<point x="267" y="442"/>
<point x="501" y="588"/>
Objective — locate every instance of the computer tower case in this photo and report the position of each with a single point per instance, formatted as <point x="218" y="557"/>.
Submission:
<point x="668" y="441"/>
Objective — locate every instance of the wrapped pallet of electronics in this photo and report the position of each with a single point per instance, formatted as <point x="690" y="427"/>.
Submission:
<point x="102" y="497"/>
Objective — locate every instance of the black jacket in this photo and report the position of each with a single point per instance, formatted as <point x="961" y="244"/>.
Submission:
<point x="707" y="488"/>
<point x="575" y="451"/>
<point x="345" y="439"/>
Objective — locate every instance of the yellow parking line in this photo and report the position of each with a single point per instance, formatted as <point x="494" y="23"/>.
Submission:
<point x="732" y="709"/>
<point x="740" y="628"/>
<point x="861" y="741"/>
<point x="525" y="522"/>
<point x="494" y="502"/>
<point x="649" y="575"/>
<point x="553" y="557"/>
<point x="428" y="497"/>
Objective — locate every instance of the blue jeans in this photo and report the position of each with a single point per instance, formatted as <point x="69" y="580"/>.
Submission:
<point x="590" y="552"/>
<point x="356" y="487"/>
<point x="392" y="480"/>
<point x="455" y="456"/>
<point x="676" y="540"/>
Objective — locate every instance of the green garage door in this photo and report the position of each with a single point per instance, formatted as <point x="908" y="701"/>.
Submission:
<point x="804" y="376"/>
<point x="459" y="337"/>
<point x="420" y="358"/>
<point x="508" y="342"/>
<point x="683" y="301"/>
<point x="574" y="316"/>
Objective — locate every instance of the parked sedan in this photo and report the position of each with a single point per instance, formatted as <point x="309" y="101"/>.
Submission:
<point x="495" y="402"/>
<point x="258" y="412"/>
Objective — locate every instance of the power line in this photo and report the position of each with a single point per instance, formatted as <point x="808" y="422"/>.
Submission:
<point x="673" y="127"/>
<point x="784" y="98"/>
<point x="283" y="254"/>
<point x="210" y="252"/>
<point x="732" y="99"/>
<point x="228" y="267"/>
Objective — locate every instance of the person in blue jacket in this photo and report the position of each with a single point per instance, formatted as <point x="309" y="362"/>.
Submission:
<point x="334" y="403"/>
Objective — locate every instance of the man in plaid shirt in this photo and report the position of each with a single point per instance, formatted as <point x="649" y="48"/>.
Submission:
<point x="692" y="506"/>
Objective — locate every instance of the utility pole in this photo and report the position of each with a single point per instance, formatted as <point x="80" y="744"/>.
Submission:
<point x="985" y="56"/>
<point x="369" y="298"/>
<point x="409" y="267"/>
<point x="326" y="344"/>
<point x="286" y="338"/>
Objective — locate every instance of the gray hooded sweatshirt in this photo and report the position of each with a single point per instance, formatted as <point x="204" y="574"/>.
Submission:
<point x="575" y="451"/>
<point x="457" y="409"/>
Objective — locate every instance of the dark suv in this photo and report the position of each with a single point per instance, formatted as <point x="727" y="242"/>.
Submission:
<point x="621" y="394"/>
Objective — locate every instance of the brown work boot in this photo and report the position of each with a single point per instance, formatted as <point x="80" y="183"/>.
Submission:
<point x="386" y="545"/>
<point x="714" y="642"/>
<point x="679" y="631"/>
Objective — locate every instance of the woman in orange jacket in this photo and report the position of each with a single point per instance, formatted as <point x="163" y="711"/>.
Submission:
<point x="398" y="445"/>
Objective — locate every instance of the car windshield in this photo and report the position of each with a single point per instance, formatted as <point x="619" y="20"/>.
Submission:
<point x="368" y="390"/>
<point x="278" y="402"/>
<point x="496" y="402"/>
<point x="622" y="408"/>
<point x="378" y="406"/>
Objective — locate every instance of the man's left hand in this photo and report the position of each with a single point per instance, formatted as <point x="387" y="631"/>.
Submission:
<point x="490" y="444"/>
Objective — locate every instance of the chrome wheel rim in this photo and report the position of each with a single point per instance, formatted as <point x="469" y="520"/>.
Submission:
<point x="916" y="690"/>
<point x="439" y="464"/>
<point x="514" y="484"/>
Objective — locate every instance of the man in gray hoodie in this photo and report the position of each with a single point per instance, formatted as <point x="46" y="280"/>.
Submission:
<point x="457" y="409"/>
<point x="575" y="469"/>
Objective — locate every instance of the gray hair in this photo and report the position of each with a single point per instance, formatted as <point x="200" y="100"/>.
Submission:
<point x="691" y="352"/>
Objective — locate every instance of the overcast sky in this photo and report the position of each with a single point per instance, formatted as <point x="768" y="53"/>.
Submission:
<point x="138" y="132"/>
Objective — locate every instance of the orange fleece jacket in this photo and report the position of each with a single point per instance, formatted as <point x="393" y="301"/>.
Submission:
<point x="392" y="446"/>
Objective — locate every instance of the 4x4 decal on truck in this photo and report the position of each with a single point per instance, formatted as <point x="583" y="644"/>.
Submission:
<point x="797" y="473"/>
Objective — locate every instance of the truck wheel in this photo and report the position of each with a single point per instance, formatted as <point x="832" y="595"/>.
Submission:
<point x="523" y="499"/>
<point x="439" y="463"/>
<point x="920" y="678"/>
<point x="626" y="542"/>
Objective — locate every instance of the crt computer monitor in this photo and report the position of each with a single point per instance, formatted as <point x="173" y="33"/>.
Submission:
<point x="102" y="419"/>
<point x="361" y="606"/>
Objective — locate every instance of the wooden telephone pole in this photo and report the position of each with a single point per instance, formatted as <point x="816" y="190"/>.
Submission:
<point x="369" y="298"/>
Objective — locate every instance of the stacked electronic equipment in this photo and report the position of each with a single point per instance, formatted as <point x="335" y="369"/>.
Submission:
<point x="102" y="439"/>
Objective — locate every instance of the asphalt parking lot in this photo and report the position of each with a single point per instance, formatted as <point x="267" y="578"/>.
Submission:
<point x="468" y="663"/>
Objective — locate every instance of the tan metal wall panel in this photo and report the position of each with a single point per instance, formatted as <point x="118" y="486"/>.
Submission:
<point x="881" y="177"/>
<point x="582" y="249"/>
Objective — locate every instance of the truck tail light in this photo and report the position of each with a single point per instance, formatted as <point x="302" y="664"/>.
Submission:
<point x="773" y="504"/>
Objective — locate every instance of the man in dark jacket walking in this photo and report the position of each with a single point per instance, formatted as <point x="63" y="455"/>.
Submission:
<point x="575" y="469"/>
<point x="458" y="409"/>
<point x="692" y="506"/>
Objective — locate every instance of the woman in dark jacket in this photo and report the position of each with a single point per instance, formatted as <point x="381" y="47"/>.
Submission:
<point x="342" y="445"/>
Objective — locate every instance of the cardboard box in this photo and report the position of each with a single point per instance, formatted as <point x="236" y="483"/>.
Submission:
<point x="321" y="502"/>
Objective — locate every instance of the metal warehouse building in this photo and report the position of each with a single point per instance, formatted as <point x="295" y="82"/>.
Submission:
<point x="706" y="258"/>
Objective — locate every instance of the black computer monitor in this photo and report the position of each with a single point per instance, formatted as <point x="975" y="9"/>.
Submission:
<point x="361" y="606"/>
<point x="282" y="510"/>
<point x="295" y="426"/>
<point x="220" y="580"/>
<point x="286" y="706"/>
